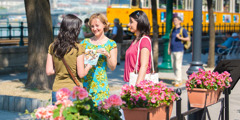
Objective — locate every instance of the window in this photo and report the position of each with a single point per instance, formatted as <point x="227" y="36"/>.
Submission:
<point x="226" y="5"/>
<point x="146" y="3"/>
<point x="218" y="5"/>
<point x="205" y="5"/>
<point x="120" y="3"/>
<point x="237" y="5"/>
<point x="162" y="3"/>
<point x="178" y="4"/>
<point x="189" y="4"/>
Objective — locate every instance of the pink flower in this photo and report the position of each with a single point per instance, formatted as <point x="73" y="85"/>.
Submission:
<point x="153" y="100"/>
<point x="59" y="118"/>
<point x="65" y="103"/>
<point x="173" y="97"/>
<point x="80" y="92"/>
<point x="199" y="82"/>
<point x="63" y="94"/>
<point x="41" y="113"/>
<point x="115" y="100"/>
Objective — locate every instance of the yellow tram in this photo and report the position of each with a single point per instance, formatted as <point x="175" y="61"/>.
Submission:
<point x="226" y="13"/>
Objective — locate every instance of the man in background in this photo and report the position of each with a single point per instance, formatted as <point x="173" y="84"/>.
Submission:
<point x="86" y="29"/>
<point x="117" y="36"/>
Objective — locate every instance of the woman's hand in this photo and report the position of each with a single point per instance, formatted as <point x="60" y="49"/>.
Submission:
<point x="104" y="52"/>
<point x="88" y="67"/>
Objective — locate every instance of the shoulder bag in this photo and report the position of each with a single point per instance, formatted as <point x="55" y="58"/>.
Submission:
<point x="70" y="72"/>
<point x="134" y="75"/>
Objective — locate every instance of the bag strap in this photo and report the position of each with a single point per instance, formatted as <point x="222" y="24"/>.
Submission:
<point x="135" y="69"/>
<point x="70" y="72"/>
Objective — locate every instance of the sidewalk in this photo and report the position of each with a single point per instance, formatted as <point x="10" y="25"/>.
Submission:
<point x="116" y="81"/>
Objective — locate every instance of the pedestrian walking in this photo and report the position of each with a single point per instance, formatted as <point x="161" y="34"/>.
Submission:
<point x="96" y="80"/>
<point x="176" y="48"/>
<point x="117" y="36"/>
<point x="66" y="47"/>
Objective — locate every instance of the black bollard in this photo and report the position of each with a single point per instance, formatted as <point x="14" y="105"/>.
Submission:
<point x="178" y="105"/>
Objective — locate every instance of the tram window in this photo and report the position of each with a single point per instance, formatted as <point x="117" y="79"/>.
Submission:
<point x="218" y="5"/>
<point x="204" y="5"/>
<point x="226" y="5"/>
<point x="237" y="5"/>
<point x="145" y="3"/>
<point x="178" y="4"/>
<point x="120" y="3"/>
<point x="189" y="4"/>
<point x="162" y="3"/>
<point x="134" y="2"/>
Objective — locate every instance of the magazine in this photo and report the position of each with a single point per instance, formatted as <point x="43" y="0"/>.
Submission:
<point x="91" y="57"/>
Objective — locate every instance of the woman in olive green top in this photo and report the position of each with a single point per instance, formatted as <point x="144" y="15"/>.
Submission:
<point x="66" y="46"/>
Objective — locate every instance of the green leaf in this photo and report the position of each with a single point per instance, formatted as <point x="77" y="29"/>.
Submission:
<point x="73" y="110"/>
<point x="56" y="113"/>
<point x="65" y="112"/>
<point x="69" y="117"/>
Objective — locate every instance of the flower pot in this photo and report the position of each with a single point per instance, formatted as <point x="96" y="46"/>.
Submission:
<point x="158" y="113"/>
<point x="197" y="97"/>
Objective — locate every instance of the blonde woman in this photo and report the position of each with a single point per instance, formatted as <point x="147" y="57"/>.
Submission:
<point x="96" y="80"/>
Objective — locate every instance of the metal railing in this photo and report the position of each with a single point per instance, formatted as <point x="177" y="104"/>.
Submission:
<point x="181" y="116"/>
<point x="21" y="30"/>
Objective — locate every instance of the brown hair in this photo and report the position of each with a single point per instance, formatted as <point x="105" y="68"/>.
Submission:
<point x="102" y="18"/>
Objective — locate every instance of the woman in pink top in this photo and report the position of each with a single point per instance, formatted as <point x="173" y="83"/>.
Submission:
<point x="139" y="25"/>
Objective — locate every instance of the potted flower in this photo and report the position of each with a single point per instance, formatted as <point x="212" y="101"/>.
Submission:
<point x="147" y="100"/>
<point x="204" y="87"/>
<point x="82" y="108"/>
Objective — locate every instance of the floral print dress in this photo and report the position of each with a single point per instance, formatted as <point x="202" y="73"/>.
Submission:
<point x="96" y="80"/>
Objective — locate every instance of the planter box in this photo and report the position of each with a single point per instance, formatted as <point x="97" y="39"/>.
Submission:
<point x="197" y="97"/>
<point x="158" y="113"/>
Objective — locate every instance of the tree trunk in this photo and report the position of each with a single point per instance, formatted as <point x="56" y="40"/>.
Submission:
<point x="40" y="35"/>
<point x="155" y="34"/>
<point x="211" y="53"/>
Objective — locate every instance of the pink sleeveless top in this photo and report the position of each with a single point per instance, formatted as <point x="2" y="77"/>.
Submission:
<point x="131" y="57"/>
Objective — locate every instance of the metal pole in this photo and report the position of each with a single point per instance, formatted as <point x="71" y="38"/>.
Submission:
<point x="196" y="48"/>
<point x="166" y="64"/>
<point x="197" y="38"/>
<point x="21" y="42"/>
<point x="10" y="31"/>
<point x="227" y="92"/>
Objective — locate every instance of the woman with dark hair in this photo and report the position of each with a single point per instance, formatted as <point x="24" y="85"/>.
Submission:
<point x="67" y="47"/>
<point x="96" y="80"/>
<point x="139" y="25"/>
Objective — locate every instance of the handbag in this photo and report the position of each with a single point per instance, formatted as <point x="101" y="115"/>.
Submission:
<point x="70" y="72"/>
<point x="134" y="75"/>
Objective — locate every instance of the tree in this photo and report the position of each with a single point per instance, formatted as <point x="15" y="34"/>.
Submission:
<point x="211" y="52"/>
<point x="40" y="35"/>
<point x="155" y="33"/>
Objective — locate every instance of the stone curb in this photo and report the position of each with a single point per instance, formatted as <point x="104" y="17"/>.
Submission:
<point x="20" y="104"/>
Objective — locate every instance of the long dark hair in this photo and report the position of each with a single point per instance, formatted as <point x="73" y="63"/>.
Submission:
<point x="67" y="37"/>
<point x="143" y="25"/>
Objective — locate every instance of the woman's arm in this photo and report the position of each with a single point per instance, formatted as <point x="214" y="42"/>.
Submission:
<point x="49" y="65"/>
<point x="144" y="64"/>
<point x="81" y="71"/>
<point x="111" y="57"/>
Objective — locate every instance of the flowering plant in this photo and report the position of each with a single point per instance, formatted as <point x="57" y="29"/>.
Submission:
<point x="82" y="108"/>
<point x="147" y="94"/>
<point x="208" y="80"/>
